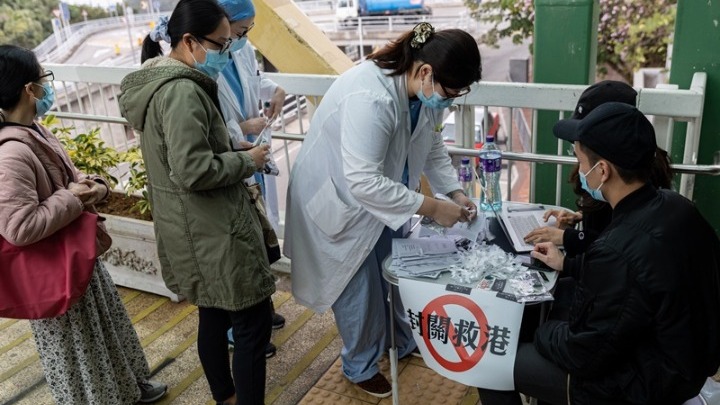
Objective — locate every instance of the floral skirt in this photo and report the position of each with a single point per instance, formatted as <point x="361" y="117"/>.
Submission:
<point x="91" y="354"/>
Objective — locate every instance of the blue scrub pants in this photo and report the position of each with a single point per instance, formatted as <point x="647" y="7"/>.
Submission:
<point x="363" y="318"/>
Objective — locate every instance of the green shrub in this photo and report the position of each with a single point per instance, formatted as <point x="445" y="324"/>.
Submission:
<point x="88" y="151"/>
<point x="138" y="178"/>
<point x="91" y="155"/>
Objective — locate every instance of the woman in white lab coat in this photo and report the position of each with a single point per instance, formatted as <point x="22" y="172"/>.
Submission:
<point x="242" y="88"/>
<point x="353" y="186"/>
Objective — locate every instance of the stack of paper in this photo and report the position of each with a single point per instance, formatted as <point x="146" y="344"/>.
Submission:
<point x="423" y="257"/>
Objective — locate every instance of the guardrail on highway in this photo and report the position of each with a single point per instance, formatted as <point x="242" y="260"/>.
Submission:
<point x="75" y="34"/>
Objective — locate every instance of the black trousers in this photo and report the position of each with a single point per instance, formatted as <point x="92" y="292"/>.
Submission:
<point x="251" y="331"/>
<point x="534" y="376"/>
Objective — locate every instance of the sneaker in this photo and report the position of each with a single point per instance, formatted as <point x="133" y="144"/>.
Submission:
<point x="378" y="386"/>
<point x="278" y="321"/>
<point x="270" y="350"/>
<point x="151" y="391"/>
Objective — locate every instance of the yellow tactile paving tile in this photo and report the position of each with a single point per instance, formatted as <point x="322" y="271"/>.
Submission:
<point x="418" y="385"/>
<point x="421" y="385"/>
<point x="317" y="396"/>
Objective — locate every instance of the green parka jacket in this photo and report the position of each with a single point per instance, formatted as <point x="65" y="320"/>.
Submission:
<point x="209" y="237"/>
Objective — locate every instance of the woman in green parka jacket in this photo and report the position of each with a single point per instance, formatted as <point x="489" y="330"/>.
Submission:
<point x="209" y="236"/>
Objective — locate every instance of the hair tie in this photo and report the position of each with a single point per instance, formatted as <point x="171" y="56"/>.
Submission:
<point x="160" y="32"/>
<point x="421" y="33"/>
<point x="2" y="116"/>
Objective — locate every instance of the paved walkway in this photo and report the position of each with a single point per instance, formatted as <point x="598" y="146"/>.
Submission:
<point x="306" y="369"/>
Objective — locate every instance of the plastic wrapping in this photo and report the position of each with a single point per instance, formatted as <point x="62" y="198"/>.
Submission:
<point x="264" y="137"/>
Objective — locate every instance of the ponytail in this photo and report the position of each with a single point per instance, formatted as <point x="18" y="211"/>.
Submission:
<point x="150" y="49"/>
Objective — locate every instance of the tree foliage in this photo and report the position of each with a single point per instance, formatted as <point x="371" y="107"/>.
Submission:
<point x="27" y="23"/>
<point x="631" y="33"/>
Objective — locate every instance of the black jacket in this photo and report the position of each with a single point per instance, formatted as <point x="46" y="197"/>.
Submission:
<point x="644" y="325"/>
<point x="575" y="241"/>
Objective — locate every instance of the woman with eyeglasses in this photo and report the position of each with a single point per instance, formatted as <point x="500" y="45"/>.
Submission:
<point x="90" y="354"/>
<point x="353" y="186"/>
<point x="243" y="90"/>
<point x="210" y="241"/>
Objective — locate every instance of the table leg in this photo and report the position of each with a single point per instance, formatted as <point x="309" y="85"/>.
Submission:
<point x="393" y="349"/>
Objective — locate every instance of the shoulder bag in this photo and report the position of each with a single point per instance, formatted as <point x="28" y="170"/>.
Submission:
<point x="43" y="279"/>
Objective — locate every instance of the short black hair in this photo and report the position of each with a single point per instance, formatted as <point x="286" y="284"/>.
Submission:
<point x="18" y="67"/>
<point x="643" y="174"/>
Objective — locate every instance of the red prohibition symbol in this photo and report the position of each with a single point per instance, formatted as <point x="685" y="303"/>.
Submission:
<point x="467" y="360"/>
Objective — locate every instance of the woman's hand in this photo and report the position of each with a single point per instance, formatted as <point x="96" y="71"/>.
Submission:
<point x="276" y="103"/>
<point x="79" y="190"/>
<point x="253" y="126"/>
<point x="545" y="234"/>
<point x="448" y="213"/>
<point x="565" y="218"/>
<point x="260" y="155"/>
<point x="245" y="145"/>
<point x="464" y="201"/>
<point x="549" y="254"/>
<point x="96" y="192"/>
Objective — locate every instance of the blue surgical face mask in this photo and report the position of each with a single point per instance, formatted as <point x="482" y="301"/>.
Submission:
<point x="595" y="193"/>
<point x="214" y="62"/>
<point x="238" y="44"/>
<point x="43" y="104"/>
<point x="436" y="100"/>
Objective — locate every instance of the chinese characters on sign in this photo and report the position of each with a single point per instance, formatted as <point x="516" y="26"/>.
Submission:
<point x="461" y="333"/>
<point x="470" y="338"/>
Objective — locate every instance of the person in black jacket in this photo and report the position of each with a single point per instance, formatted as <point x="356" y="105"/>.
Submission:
<point x="595" y="215"/>
<point x="644" y="325"/>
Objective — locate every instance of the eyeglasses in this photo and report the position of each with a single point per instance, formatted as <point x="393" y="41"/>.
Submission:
<point x="457" y="94"/>
<point x="247" y="29"/>
<point x="47" y="76"/>
<point x="223" y="47"/>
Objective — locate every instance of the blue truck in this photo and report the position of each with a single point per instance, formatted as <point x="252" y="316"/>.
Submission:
<point x="350" y="10"/>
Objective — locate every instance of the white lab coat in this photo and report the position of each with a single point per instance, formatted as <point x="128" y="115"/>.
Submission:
<point x="256" y="88"/>
<point x="346" y="186"/>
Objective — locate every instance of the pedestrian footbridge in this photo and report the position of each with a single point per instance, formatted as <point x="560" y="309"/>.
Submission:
<point x="306" y="368"/>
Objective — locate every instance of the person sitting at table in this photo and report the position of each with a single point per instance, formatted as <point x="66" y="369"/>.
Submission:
<point x="595" y="215"/>
<point x="644" y="321"/>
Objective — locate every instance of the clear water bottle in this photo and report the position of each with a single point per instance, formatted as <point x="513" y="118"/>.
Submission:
<point x="465" y="176"/>
<point x="491" y="165"/>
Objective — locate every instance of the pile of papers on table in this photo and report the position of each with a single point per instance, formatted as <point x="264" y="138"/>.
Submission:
<point x="423" y="257"/>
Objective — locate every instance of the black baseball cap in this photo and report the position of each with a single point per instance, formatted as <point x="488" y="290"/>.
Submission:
<point x="616" y="131"/>
<point x="601" y="93"/>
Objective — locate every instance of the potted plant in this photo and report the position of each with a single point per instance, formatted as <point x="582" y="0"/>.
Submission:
<point x="132" y="261"/>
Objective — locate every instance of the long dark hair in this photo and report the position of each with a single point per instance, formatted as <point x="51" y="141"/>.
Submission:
<point x="18" y="67"/>
<point x="453" y="55"/>
<point x="195" y="17"/>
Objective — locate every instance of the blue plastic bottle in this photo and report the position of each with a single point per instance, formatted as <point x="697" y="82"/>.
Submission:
<point x="491" y="165"/>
